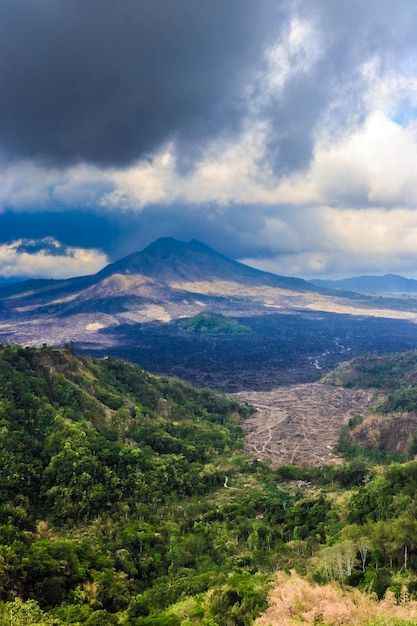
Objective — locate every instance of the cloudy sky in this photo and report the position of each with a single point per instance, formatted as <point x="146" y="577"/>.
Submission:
<point x="281" y="133"/>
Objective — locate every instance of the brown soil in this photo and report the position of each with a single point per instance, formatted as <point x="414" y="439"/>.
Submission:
<point x="300" y="423"/>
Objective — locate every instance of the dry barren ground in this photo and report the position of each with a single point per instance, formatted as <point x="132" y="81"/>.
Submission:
<point x="300" y="423"/>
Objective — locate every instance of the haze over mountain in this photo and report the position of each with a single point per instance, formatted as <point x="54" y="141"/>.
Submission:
<point x="389" y="283"/>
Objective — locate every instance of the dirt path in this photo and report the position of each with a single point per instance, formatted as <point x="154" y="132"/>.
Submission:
<point x="300" y="423"/>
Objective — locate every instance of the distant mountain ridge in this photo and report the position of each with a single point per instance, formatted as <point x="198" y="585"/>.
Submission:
<point x="389" y="283"/>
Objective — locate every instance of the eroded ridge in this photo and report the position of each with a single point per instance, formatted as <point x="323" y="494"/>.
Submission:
<point x="300" y="424"/>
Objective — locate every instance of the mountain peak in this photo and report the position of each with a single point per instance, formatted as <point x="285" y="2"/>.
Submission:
<point x="169" y="245"/>
<point x="169" y="261"/>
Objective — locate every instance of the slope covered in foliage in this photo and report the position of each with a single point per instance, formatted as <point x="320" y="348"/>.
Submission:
<point x="125" y="499"/>
<point x="390" y="430"/>
<point x="80" y="435"/>
<point x="81" y="439"/>
<point x="390" y="373"/>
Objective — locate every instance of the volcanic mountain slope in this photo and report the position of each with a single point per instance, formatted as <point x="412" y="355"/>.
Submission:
<point x="167" y="263"/>
<point x="166" y="281"/>
<point x="174" y="262"/>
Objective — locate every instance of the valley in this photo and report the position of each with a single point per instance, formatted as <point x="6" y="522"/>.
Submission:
<point x="197" y="512"/>
<point x="286" y="348"/>
<point x="275" y="368"/>
<point x="136" y="309"/>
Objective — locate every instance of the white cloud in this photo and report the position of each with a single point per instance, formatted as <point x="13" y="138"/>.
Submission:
<point x="296" y="53"/>
<point x="48" y="259"/>
<point x="340" y="242"/>
<point x="368" y="164"/>
<point x="375" y="166"/>
<point x="28" y="186"/>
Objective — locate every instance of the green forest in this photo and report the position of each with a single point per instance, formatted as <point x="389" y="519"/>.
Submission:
<point x="127" y="499"/>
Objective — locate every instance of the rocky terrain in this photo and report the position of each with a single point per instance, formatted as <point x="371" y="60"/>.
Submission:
<point x="300" y="424"/>
<point x="283" y="348"/>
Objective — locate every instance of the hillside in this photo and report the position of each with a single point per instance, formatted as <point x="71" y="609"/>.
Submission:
<point x="125" y="499"/>
<point x="87" y="444"/>
<point x="391" y="428"/>
<point x="60" y="410"/>
<point x="391" y="373"/>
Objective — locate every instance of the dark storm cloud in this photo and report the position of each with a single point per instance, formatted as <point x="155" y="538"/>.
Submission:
<point x="233" y="231"/>
<point x="106" y="81"/>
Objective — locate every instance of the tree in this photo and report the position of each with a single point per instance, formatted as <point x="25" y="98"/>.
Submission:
<point x="28" y="613"/>
<point x="338" y="561"/>
<point x="364" y="546"/>
<point x="362" y="542"/>
<point x="404" y="536"/>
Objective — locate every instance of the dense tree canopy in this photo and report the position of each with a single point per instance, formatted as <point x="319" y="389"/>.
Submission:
<point x="126" y="498"/>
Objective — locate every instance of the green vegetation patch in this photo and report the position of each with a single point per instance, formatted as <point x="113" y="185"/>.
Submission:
<point x="209" y="323"/>
<point x="387" y="372"/>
